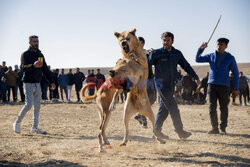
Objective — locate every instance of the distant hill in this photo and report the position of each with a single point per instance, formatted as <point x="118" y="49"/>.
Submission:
<point x="200" y="70"/>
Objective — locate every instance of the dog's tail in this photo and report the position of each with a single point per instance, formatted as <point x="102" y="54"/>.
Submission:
<point x="87" y="98"/>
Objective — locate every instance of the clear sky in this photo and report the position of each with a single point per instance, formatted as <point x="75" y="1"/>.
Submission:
<point x="79" y="33"/>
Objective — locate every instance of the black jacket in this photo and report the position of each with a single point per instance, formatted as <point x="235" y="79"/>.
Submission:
<point x="71" y="79"/>
<point x="30" y="73"/>
<point x="79" y="78"/>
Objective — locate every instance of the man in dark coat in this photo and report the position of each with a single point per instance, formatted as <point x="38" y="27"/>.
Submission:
<point x="79" y="77"/>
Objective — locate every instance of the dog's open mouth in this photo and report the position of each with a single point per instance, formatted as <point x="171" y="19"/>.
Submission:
<point x="125" y="48"/>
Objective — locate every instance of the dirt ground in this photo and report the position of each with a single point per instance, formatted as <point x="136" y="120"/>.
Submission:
<point x="72" y="139"/>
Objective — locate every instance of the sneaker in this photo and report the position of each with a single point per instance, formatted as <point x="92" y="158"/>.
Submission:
<point x="184" y="134"/>
<point x="144" y="125"/>
<point x="223" y="131"/>
<point x="16" y="127"/>
<point x="138" y="118"/>
<point x="214" y="131"/>
<point x="38" y="131"/>
<point x="161" y="135"/>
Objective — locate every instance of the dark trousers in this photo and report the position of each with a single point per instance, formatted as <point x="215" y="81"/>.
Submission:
<point x="20" y="86"/>
<point x="205" y="93"/>
<point x="168" y="105"/>
<point x="221" y="93"/>
<point x="78" y="95"/>
<point x="3" y="90"/>
<point x="244" y="94"/>
<point x="50" y="93"/>
<point x="78" y="89"/>
<point x="44" y="87"/>
<point x="91" y="92"/>
<point x="64" y="88"/>
<point x="13" y="89"/>
<point x="248" y="94"/>
<point x="55" y="93"/>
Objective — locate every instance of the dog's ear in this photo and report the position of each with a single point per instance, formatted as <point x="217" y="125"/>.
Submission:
<point x="117" y="34"/>
<point x="133" y="31"/>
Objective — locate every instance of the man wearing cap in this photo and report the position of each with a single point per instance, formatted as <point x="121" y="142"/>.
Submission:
<point x="220" y="64"/>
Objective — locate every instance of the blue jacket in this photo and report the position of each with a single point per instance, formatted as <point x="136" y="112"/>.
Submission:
<point x="220" y="75"/>
<point x="63" y="80"/>
<point x="166" y="65"/>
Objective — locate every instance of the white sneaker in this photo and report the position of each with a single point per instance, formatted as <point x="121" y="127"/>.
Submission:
<point x="16" y="127"/>
<point x="38" y="131"/>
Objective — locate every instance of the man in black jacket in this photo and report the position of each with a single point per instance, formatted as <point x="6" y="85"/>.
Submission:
<point x="79" y="78"/>
<point x="34" y="66"/>
<point x="243" y="88"/>
<point x="100" y="79"/>
<point x="20" y="82"/>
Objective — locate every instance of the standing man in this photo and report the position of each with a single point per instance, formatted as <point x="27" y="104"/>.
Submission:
<point x="150" y="90"/>
<point x="3" y="85"/>
<point x="70" y="83"/>
<point x="91" y="78"/>
<point x="165" y="61"/>
<point x="243" y="86"/>
<point x="19" y="82"/>
<point x="4" y="67"/>
<point x="79" y="77"/>
<point x="100" y="79"/>
<point x="220" y="63"/>
<point x="11" y="78"/>
<point x="63" y="83"/>
<point x="33" y="65"/>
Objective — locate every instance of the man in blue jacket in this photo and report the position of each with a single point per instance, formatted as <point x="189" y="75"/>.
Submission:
<point x="165" y="61"/>
<point x="220" y="63"/>
<point x="63" y="81"/>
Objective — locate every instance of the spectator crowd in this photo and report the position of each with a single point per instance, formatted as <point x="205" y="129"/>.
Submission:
<point x="185" y="87"/>
<point x="11" y="84"/>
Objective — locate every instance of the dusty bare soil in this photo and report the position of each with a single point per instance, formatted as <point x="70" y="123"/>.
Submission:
<point x="72" y="139"/>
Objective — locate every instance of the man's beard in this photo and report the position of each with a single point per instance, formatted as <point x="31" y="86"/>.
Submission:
<point x="34" y="47"/>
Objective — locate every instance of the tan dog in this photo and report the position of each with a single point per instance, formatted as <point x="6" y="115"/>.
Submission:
<point x="134" y="59"/>
<point x="132" y="65"/>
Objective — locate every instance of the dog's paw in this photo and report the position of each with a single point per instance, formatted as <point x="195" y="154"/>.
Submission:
<point x="161" y="141"/>
<point x="100" y="149"/>
<point x="123" y="144"/>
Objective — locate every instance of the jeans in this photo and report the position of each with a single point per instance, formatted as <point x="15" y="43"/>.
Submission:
<point x="64" y="88"/>
<point x="221" y="93"/>
<point x="69" y="89"/>
<point x="32" y="93"/>
<point x="168" y="105"/>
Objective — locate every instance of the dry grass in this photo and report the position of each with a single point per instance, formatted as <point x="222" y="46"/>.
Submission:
<point x="72" y="139"/>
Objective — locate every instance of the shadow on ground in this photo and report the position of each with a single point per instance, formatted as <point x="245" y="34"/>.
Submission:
<point x="184" y="158"/>
<point x="50" y="163"/>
